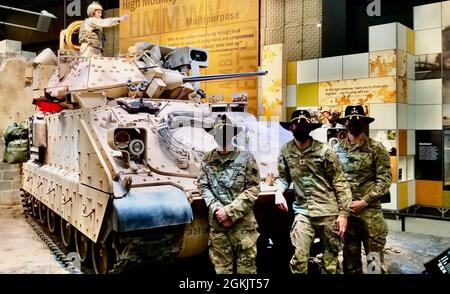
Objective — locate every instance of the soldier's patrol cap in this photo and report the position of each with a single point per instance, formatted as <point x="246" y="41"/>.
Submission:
<point x="301" y="117"/>
<point x="355" y="112"/>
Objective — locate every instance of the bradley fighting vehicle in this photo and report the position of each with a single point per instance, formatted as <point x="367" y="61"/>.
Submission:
<point x="115" y="152"/>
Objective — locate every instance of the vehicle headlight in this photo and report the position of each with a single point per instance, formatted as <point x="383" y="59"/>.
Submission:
<point x="137" y="147"/>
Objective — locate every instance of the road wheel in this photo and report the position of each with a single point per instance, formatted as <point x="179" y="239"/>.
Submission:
<point x="83" y="247"/>
<point x="66" y="234"/>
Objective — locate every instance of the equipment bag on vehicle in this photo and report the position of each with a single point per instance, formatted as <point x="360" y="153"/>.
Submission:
<point x="16" y="143"/>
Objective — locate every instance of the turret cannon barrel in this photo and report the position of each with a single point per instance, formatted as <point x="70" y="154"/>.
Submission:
<point x="223" y="76"/>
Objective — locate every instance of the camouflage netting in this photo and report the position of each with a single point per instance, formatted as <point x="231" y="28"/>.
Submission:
<point x="183" y="135"/>
<point x="180" y="151"/>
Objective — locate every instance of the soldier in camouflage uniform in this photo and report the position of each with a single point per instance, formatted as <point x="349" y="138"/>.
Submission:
<point x="367" y="169"/>
<point x="91" y="36"/>
<point x="229" y="183"/>
<point x="322" y="196"/>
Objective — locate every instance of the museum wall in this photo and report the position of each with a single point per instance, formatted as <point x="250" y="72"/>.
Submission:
<point x="296" y="24"/>
<point x="290" y="31"/>
<point x="112" y="46"/>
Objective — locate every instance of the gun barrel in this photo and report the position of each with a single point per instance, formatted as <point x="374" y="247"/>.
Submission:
<point x="148" y="67"/>
<point x="223" y="76"/>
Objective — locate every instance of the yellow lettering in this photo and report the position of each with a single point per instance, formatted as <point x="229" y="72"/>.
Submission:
<point x="131" y="5"/>
<point x="171" y="19"/>
<point x="134" y="23"/>
<point x="151" y="21"/>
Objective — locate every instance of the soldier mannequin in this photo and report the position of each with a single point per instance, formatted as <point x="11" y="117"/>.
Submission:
<point x="322" y="196"/>
<point x="325" y="117"/>
<point x="367" y="169"/>
<point x="229" y="183"/>
<point x="91" y="34"/>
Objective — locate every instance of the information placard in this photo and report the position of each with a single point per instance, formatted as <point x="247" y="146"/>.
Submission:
<point x="429" y="155"/>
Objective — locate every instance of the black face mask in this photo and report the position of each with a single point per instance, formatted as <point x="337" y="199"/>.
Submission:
<point x="355" y="128"/>
<point x="301" y="135"/>
<point x="223" y="138"/>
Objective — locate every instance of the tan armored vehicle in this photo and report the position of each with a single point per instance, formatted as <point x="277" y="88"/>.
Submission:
<point x="116" y="150"/>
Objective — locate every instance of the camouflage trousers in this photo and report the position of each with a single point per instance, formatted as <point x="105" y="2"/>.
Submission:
<point x="303" y="233"/>
<point x="229" y="249"/>
<point x="370" y="229"/>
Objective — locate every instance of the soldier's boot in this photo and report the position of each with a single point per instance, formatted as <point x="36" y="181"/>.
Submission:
<point x="299" y="262"/>
<point x="330" y="262"/>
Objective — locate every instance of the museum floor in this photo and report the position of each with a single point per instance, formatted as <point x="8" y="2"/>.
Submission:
<point x="21" y="250"/>
<point x="406" y="252"/>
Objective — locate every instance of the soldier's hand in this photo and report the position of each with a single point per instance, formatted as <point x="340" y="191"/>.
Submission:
<point x="280" y="201"/>
<point x="341" y="224"/>
<point x="357" y="206"/>
<point x="223" y="218"/>
<point x="227" y="223"/>
<point x="123" y="17"/>
<point x="221" y="215"/>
